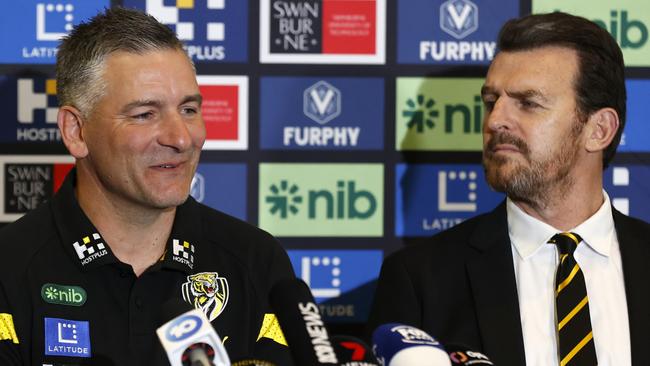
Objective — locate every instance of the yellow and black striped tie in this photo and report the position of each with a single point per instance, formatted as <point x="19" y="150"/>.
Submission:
<point x="572" y="304"/>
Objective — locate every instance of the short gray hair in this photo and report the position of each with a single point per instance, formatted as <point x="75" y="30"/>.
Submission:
<point x="82" y="53"/>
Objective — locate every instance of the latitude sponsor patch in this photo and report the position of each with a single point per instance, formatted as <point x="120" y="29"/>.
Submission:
<point x="65" y="337"/>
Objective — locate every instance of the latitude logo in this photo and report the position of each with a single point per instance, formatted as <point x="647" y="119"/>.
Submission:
<point x="63" y="295"/>
<point x="459" y="18"/>
<point x="322" y="102"/>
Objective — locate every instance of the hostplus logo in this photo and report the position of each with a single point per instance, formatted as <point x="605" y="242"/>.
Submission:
<point x="188" y="31"/>
<point x="422" y="114"/>
<point x="322" y="104"/>
<point x="629" y="33"/>
<point x="459" y="19"/>
<point x="89" y="249"/>
<point x="37" y="107"/>
<point x="345" y="201"/>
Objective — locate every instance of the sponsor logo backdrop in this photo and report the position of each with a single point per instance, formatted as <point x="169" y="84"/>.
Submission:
<point x="346" y="128"/>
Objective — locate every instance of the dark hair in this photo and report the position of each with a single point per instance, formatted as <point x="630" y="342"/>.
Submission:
<point x="600" y="81"/>
<point x="81" y="55"/>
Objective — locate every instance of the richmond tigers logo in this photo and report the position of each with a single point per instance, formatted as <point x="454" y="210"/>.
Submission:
<point x="208" y="292"/>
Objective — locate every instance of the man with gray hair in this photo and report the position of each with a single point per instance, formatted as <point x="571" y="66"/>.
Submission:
<point x="83" y="277"/>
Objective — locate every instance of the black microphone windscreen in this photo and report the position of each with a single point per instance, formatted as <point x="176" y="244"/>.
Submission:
<point x="301" y="323"/>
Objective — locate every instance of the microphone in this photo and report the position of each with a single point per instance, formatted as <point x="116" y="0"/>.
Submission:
<point x="301" y="323"/>
<point x="188" y="338"/>
<point x="460" y="354"/>
<point x="403" y="345"/>
<point x="353" y="352"/>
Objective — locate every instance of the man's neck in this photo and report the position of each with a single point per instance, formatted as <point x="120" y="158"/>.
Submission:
<point x="565" y="208"/>
<point x="136" y="236"/>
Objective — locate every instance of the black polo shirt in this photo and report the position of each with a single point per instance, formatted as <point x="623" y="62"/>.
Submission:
<point x="65" y="299"/>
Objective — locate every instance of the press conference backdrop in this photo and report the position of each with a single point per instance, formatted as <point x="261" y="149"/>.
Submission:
<point x="346" y="128"/>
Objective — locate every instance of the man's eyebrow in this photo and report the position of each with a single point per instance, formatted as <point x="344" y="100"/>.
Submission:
<point x="193" y="98"/>
<point x="523" y="94"/>
<point x="485" y="89"/>
<point x="142" y="103"/>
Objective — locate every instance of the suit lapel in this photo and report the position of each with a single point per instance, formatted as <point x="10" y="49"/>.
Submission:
<point x="492" y="278"/>
<point x="635" y="253"/>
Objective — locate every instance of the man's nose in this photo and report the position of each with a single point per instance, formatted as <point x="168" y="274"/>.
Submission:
<point x="500" y="117"/>
<point x="175" y="132"/>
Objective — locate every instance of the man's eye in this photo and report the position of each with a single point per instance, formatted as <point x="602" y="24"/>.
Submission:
<point x="489" y="105"/>
<point x="527" y="104"/>
<point x="143" y="116"/>
<point x="190" y="110"/>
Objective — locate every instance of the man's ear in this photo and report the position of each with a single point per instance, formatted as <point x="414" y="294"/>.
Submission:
<point x="602" y="126"/>
<point x="71" y="121"/>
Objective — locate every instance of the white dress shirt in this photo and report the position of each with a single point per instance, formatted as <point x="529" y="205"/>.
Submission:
<point x="599" y="257"/>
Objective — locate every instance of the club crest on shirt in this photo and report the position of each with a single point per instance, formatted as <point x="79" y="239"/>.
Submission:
<point x="208" y="292"/>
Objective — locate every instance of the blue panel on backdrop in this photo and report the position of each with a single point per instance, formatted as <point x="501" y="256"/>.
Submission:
<point x="212" y="30"/>
<point x="431" y="198"/>
<point x="451" y="31"/>
<point x="628" y="187"/>
<point x="29" y="106"/>
<point x="342" y="281"/>
<point x="31" y="29"/>
<point x="636" y="137"/>
<point x="221" y="186"/>
<point x="303" y="113"/>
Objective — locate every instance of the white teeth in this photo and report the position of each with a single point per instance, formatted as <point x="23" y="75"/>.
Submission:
<point x="166" y="166"/>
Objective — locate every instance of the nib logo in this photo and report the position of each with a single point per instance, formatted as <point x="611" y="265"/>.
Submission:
<point x="360" y="204"/>
<point x="420" y="115"/>
<point x="284" y="199"/>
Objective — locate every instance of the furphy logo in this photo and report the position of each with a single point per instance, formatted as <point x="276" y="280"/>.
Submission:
<point x="29" y="181"/>
<point x="67" y="338"/>
<point x="628" y="189"/>
<point x="439" y="114"/>
<point x="302" y="113"/>
<point x="626" y="20"/>
<point x="322" y="31"/>
<point x="36" y="26"/>
<point x="322" y="102"/>
<point x="33" y="104"/>
<point x="225" y="111"/>
<point x="321" y="199"/>
<point x="212" y="30"/>
<point x="432" y="198"/>
<point x="636" y="136"/>
<point x="452" y="31"/>
<point x="337" y="279"/>
<point x="221" y="186"/>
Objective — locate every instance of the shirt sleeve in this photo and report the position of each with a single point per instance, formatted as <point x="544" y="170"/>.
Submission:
<point x="270" y="343"/>
<point x="9" y="341"/>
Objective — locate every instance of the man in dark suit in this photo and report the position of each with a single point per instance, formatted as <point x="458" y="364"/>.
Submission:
<point x="554" y="275"/>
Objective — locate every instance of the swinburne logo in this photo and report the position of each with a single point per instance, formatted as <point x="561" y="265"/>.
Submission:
<point x="317" y="332"/>
<point x="321" y="199"/>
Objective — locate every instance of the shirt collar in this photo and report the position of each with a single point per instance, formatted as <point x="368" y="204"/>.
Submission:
<point x="528" y="234"/>
<point x="84" y="243"/>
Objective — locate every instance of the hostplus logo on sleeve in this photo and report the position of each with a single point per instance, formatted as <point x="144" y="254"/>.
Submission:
<point x="432" y="198"/>
<point x="339" y="280"/>
<point x="309" y="114"/>
<point x="464" y="32"/>
<point x="89" y="250"/>
<point x="212" y="30"/>
<point x="321" y="199"/>
<point x="36" y="27"/>
<point x="439" y="114"/>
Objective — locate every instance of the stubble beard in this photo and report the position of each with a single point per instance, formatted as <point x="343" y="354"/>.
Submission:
<point x="539" y="182"/>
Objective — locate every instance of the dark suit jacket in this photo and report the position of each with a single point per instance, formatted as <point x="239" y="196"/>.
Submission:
<point x="460" y="287"/>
